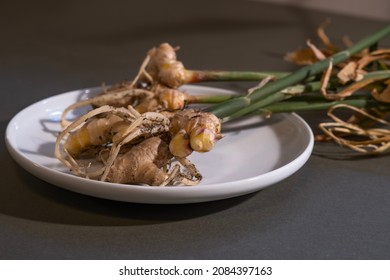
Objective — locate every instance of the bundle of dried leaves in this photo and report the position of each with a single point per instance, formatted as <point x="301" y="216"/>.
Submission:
<point x="364" y="76"/>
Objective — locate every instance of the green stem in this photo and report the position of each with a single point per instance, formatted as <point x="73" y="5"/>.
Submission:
<point x="196" y="76"/>
<point x="284" y="94"/>
<point x="222" y="110"/>
<point x="210" y="99"/>
<point x="295" y="106"/>
<point x="384" y="74"/>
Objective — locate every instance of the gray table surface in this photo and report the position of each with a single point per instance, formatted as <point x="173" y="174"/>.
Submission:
<point x="329" y="209"/>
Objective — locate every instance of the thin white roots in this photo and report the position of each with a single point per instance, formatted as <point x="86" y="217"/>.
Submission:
<point x="63" y="155"/>
<point x="142" y="71"/>
<point x="140" y="126"/>
<point x="101" y="99"/>
<point x="177" y="177"/>
<point x="376" y="141"/>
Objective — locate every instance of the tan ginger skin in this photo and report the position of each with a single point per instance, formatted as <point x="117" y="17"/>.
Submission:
<point x="95" y="132"/>
<point x="157" y="98"/>
<point x="146" y="159"/>
<point x="189" y="124"/>
<point x="143" y="163"/>
<point x="164" y="66"/>
<point x="198" y="130"/>
<point x="153" y="90"/>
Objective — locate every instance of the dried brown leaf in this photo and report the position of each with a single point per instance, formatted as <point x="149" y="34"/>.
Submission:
<point x="381" y="52"/>
<point x="348" y="91"/>
<point x="367" y="59"/>
<point x="347" y="41"/>
<point x="303" y="56"/>
<point x="317" y="52"/>
<point x="374" y="140"/>
<point x="383" y="96"/>
<point x="348" y="72"/>
<point x="324" y="38"/>
<point x="325" y="80"/>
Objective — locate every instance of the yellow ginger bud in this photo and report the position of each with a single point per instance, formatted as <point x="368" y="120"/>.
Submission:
<point x="180" y="144"/>
<point x="94" y="132"/>
<point x="77" y="141"/>
<point x="203" y="139"/>
<point x="172" y="74"/>
<point x="172" y="99"/>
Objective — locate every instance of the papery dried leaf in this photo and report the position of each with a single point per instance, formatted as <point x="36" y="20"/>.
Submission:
<point x="363" y="120"/>
<point x="383" y="96"/>
<point x="348" y="91"/>
<point x="380" y="52"/>
<point x="348" y="73"/>
<point x="304" y="56"/>
<point x="347" y="41"/>
<point x="325" y="79"/>
<point x="317" y="53"/>
<point x="313" y="54"/>
<point x="342" y="94"/>
<point x="367" y="59"/>
<point x="324" y="38"/>
<point x="363" y="112"/>
<point x="375" y="140"/>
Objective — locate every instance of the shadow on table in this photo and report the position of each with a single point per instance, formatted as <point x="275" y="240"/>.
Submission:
<point x="35" y="199"/>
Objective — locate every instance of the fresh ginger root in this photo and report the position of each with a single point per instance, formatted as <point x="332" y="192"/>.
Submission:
<point x="157" y="98"/>
<point x="164" y="66"/>
<point x="138" y="148"/>
<point x="95" y="132"/>
<point x="154" y="89"/>
<point x="193" y="130"/>
<point x="144" y="163"/>
<point x="138" y="128"/>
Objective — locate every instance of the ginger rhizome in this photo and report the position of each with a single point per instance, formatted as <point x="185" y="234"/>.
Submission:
<point x="137" y="148"/>
<point x="156" y="86"/>
<point x="192" y="130"/>
<point x="137" y="129"/>
<point x="144" y="162"/>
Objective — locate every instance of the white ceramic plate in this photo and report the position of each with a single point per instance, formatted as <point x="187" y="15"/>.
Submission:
<point x="255" y="153"/>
